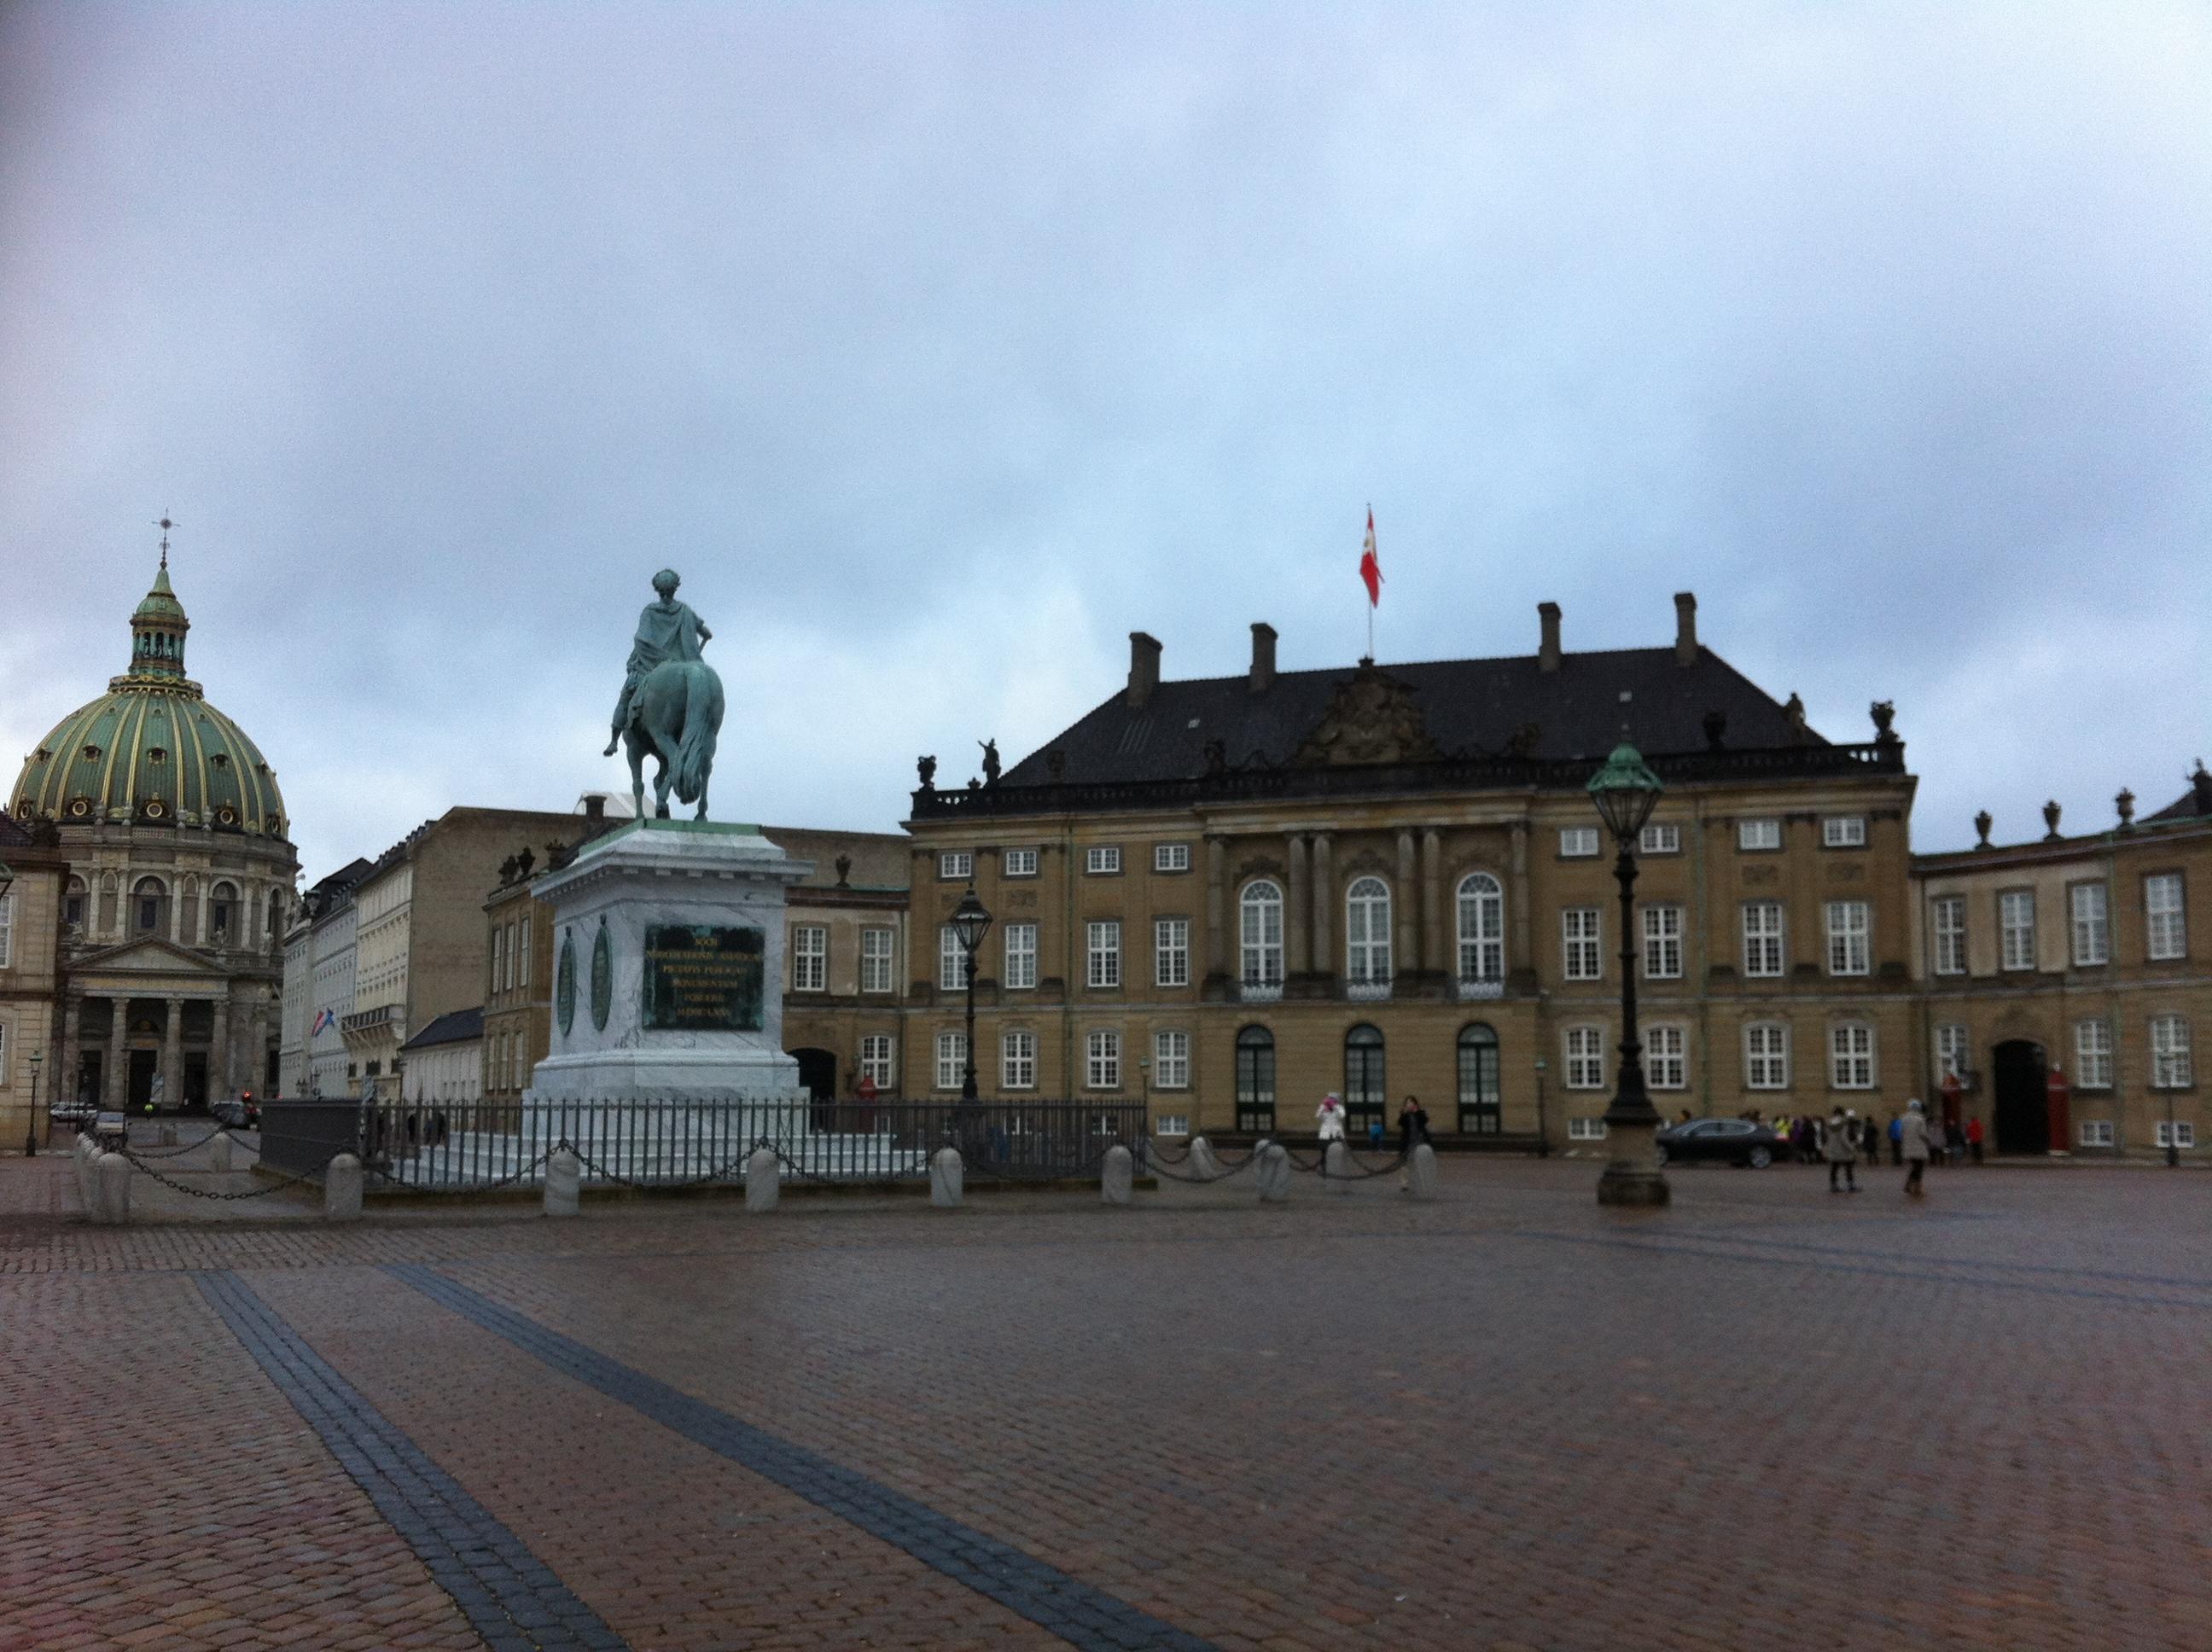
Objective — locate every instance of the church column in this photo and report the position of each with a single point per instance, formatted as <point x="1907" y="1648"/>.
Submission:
<point x="1324" y="906"/>
<point x="1520" y="940"/>
<point x="64" y="1085"/>
<point x="1217" y="873"/>
<point x="1436" y="939"/>
<point x="1404" y="956"/>
<point x="1297" y="900"/>
<point x="221" y="1084"/>
<point x="256" y="1043"/>
<point x="116" y="1080"/>
<point x="172" y="1055"/>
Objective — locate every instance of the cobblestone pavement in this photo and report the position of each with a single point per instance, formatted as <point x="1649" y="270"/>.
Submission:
<point x="1766" y="1417"/>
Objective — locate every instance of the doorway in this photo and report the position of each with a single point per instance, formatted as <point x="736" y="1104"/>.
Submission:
<point x="2023" y="1110"/>
<point x="143" y="1063"/>
<point x="818" y="1071"/>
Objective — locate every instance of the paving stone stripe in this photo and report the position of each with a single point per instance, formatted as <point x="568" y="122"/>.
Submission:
<point x="509" y="1596"/>
<point x="1082" y="1616"/>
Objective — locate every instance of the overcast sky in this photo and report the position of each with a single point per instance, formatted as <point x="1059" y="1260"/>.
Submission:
<point x="941" y="347"/>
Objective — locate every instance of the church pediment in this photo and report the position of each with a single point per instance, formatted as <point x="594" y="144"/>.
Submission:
<point x="147" y="957"/>
<point x="1372" y="719"/>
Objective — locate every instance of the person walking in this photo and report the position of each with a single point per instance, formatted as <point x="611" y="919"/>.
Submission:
<point x="1870" y="1141"/>
<point x="1974" y="1137"/>
<point x="1912" y="1142"/>
<point x="1413" y="1130"/>
<point x="1954" y="1141"/>
<point x="1843" y="1151"/>
<point x="1896" y="1139"/>
<point x="1328" y="1124"/>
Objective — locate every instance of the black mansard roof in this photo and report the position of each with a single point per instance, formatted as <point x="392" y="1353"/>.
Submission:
<point x="1433" y="725"/>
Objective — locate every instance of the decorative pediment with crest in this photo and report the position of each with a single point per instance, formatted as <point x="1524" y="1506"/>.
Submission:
<point x="146" y="956"/>
<point x="1371" y="719"/>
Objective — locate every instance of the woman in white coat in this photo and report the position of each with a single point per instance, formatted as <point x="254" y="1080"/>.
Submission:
<point x="1328" y="1124"/>
<point x="1913" y="1138"/>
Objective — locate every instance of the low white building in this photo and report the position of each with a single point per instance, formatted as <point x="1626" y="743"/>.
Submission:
<point x="444" y="1062"/>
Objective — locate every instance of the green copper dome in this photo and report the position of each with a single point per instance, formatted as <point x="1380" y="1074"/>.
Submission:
<point x="151" y="749"/>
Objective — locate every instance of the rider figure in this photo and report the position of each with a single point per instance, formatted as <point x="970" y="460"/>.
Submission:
<point x="667" y="630"/>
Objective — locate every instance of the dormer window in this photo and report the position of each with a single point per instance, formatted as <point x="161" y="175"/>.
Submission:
<point x="92" y="754"/>
<point x="155" y="754"/>
<point x="220" y="759"/>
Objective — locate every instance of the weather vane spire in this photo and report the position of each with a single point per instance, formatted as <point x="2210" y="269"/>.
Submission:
<point x="165" y="525"/>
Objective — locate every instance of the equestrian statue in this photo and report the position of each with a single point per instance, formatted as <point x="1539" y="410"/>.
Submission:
<point x="672" y="702"/>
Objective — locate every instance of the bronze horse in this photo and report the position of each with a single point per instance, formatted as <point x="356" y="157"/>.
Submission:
<point x="675" y="714"/>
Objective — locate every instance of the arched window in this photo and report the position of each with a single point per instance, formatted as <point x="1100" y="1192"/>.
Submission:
<point x="1365" y="1086"/>
<point x="73" y="903"/>
<point x="150" y="906"/>
<point x="1367" y="933"/>
<point x="1481" y="930"/>
<point x="223" y="914"/>
<point x="1478" y="1098"/>
<point x="1259" y="915"/>
<point x="1255" y="1081"/>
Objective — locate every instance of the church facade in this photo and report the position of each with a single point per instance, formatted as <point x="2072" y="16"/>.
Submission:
<point x="179" y="881"/>
<point x="1230" y="895"/>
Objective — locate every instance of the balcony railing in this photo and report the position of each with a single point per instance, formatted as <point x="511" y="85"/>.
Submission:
<point x="1368" y="992"/>
<point x="1471" y="986"/>
<point x="1260" y="992"/>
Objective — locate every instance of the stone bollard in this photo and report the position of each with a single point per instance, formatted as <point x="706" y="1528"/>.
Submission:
<point x="87" y="1181"/>
<point x="166" y="1136"/>
<point x="342" y="1190"/>
<point x="1203" y="1164"/>
<point x="764" y="1180"/>
<point x="945" y="1178"/>
<point x="564" y="1182"/>
<point x="112" y="1196"/>
<point x="1273" y="1171"/>
<point x="219" y="1152"/>
<point x="1115" y="1176"/>
<point x="1336" y="1169"/>
<point x="1421" y="1176"/>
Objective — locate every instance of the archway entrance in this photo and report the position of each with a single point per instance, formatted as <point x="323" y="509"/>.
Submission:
<point x="2023" y="1112"/>
<point x="818" y="1071"/>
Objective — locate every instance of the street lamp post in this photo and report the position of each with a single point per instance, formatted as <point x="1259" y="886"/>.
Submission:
<point x="970" y="922"/>
<point x="1625" y="791"/>
<point x="31" y="1125"/>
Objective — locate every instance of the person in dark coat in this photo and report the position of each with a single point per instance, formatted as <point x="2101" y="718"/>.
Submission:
<point x="1413" y="1126"/>
<point x="1842" y="1150"/>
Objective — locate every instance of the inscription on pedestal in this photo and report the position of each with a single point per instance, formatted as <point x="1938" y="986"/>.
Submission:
<point x="700" y="978"/>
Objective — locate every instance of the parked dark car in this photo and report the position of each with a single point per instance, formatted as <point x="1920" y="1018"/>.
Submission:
<point x="238" y="1115"/>
<point x="77" y="1115"/>
<point x="1737" y="1140"/>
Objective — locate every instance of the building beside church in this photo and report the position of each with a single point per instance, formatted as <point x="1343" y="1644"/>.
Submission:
<point x="1229" y="896"/>
<point x="34" y="873"/>
<point x="180" y="882"/>
<point x="2062" y="981"/>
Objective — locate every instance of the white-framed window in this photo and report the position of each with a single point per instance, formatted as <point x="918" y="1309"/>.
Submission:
<point x="955" y="864"/>
<point x="1481" y="928"/>
<point x="1665" y="1057"/>
<point x="1661" y="837"/>
<point x="2179" y="1134"/>
<point x="2096" y="1132"/>
<point x="875" y="960"/>
<point x="1758" y="834"/>
<point x="1260" y="930"/>
<point x="1950" y="931"/>
<point x="2092" y="929"/>
<point x="1585" y="1129"/>
<point x="1579" y="937"/>
<point x="1850" y="950"/>
<point x="1021" y="956"/>
<point x="1766" y="1055"/>
<point x="1171" y="1060"/>
<point x="2016" y="928"/>
<point x="498" y="955"/>
<point x="877" y="1060"/>
<point x="1102" y="859"/>
<point x="1843" y="832"/>
<point x="1018" y="863"/>
<point x="2092" y="1055"/>
<point x="1851" y="1056"/>
<point x="1102" y="1060"/>
<point x="1662" y="943"/>
<point x="810" y="958"/>
<point x="1577" y="842"/>
<point x="1585" y="1058"/>
<point x="1367" y="930"/>
<point x="1017" y="1060"/>
<point x="1950" y="1052"/>
<point x="2169" y="1053"/>
<point x="951" y="1059"/>
<point x="951" y="961"/>
<point x="2165" y="928"/>
<point x="1171" y="951"/>
<point x="1172" y="857"/>
<point x="1762" y="938"/>
<point x="522" y="954"/>
<point x="1102" y="951"/>
<point x="1172" y="1124"/>
<point x="7" y="930"/>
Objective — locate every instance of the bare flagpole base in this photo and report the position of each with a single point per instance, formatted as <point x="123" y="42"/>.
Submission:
<point x="1632" y="1177"/>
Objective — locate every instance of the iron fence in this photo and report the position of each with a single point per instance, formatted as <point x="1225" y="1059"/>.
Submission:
<point x="681" y="1141"/>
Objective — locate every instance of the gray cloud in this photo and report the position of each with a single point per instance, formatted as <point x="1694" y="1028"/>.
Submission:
<point x="940" y="347"/>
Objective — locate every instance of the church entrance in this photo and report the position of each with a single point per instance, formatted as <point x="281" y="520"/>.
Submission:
<point x="143" y="1065"/>
<point x="2023" y="1110"/>
<point x="196" y="1084"/>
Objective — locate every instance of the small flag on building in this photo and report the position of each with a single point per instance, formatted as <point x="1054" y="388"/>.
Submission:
<point x="321" y="1022"/>
<point x="1371" y="566"/>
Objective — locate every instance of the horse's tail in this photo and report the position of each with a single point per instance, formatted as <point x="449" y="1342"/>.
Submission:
<point x="695" y="747"/>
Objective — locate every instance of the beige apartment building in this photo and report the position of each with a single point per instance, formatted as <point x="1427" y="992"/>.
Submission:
<point x="32" y="860"/>
<point x="1229" y="896"/>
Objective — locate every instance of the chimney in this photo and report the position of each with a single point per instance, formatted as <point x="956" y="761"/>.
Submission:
<point x="595" y="805"/>
<point x="1547" y="656"/>
<point x="1144" y="668"/>
<point x="1685" y="629"/>
<point x="1263" y="658"/>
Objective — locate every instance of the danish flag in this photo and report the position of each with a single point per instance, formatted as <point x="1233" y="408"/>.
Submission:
<point x="1371" y="566"/>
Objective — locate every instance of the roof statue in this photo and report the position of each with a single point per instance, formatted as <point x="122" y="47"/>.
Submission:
<point x="671" y="706"/>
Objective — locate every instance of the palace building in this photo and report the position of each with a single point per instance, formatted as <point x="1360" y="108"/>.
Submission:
<point x="180" y="875"/>
<point x="1229" y="896"/>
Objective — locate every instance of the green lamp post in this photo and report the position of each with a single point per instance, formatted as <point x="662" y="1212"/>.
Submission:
<point x="970" y="921"/>
<point x="1625" y="791"/>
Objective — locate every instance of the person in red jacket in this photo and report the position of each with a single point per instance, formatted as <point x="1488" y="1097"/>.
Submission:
<point x="1974" y="1137"/>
